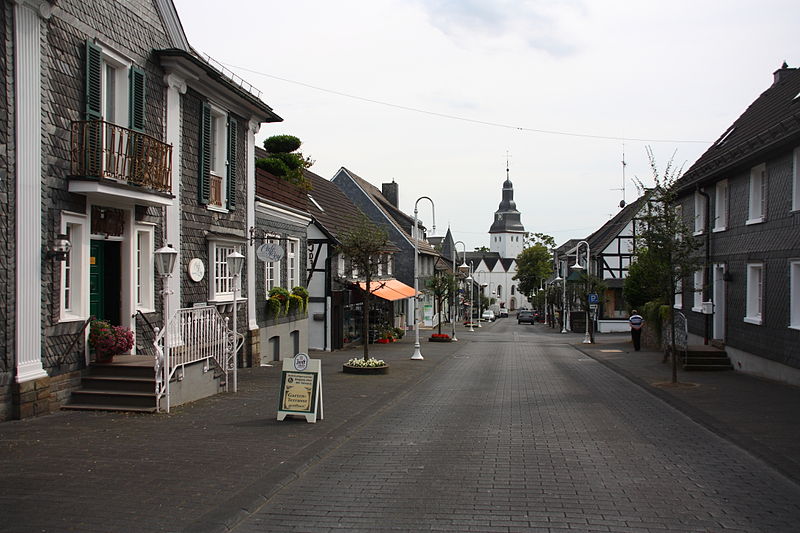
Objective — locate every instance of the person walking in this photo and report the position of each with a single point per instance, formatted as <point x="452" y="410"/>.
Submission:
<point x="636" y="321"/>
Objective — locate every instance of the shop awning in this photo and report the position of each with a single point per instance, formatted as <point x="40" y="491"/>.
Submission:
<point x="389" y="289"/>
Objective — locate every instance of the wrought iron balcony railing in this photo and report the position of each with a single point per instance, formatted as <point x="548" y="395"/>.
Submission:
<point x="104" y="150"/>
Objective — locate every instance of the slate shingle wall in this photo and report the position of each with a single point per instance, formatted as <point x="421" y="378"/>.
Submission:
<point x="7" y="172"/>
<point x="774" y="243"/>
<point x="200" y="225"/>
<point x="132" y="28"/>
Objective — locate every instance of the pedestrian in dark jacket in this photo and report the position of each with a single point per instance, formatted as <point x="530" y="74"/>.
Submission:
<point x="636" y="321"/>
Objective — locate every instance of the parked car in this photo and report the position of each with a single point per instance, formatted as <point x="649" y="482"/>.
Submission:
<point x="525" y="316"/>
<point x="503" y="313"/>
<point x="488" y="315"/>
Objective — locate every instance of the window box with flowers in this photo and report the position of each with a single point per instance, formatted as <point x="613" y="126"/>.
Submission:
<point x="108" y="341"/>
<point x="439" y="337"/>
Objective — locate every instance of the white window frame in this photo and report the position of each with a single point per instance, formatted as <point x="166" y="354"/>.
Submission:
<point x="77" y="267"/>
<point x="292" y="263"/>
<point x="144" y="268"/>
<point x="218" y="163"/>
<point x="721" y="205"/>
<point x="220" y="282"/>
<point x="754" y="301"/>
<point x="120" y="67"/>
<point x="679" y="295"/>
<point x="272" y="270"/>
<point x="756" y="200"/>
<point x="796" y="179"/>
<point x="794" y="294"/>
<point x="699" y="213"/>
<point x="697" y="301"/>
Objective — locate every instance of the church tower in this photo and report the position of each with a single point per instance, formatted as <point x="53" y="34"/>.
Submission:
<point x="507" y="233"/>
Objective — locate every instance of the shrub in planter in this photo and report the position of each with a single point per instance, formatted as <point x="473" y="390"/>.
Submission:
<point x="439" y="337"/>
<point x="295" y="304"/>
<point x="274" y="307"/>
<point x="282" y="295"/>
<point x="398" y="333"/>
<point x="108" y="340"/>
<point x="302" y="293"/>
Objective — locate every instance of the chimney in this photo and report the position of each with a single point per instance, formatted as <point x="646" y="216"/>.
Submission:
<point x="776" y="76"/>
<point x="390" y="192"/>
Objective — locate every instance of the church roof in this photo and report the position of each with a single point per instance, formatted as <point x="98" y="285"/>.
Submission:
<point x="506" y="218"/>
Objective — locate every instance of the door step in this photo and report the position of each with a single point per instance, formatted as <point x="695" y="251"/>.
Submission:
<point x="126" y="384"/>
<point x="706" y="358"/>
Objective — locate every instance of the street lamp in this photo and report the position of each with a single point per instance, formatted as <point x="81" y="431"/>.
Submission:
<point x="480" y="303"/>
<point x="164" y="259"/>
<point x="577" y="267"/>
<point x="415" y="237"/>
<point x="471" y="292"/>
<point x="461" y="267"/>
<point x="235" y="262"/>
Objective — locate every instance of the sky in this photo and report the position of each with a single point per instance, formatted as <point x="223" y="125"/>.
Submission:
<point x="438" y="95"/>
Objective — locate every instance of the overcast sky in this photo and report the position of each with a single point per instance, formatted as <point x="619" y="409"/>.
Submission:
<point x="434" y="93"/>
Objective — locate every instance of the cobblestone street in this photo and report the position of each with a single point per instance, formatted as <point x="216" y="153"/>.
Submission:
<point x="527" y="435"/>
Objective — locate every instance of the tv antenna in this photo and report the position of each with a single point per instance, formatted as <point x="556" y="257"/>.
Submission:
<point x="622" y="202"/>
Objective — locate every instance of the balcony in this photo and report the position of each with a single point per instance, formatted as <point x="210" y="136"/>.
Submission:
<point x="109" y="156"/>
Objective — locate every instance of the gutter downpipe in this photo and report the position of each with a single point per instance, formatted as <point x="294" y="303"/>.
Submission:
<point x="707" y="266"/>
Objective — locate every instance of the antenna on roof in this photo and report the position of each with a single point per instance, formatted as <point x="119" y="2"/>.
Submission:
<point x="622" y="202"/>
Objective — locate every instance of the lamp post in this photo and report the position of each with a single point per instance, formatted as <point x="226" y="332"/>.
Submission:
<point x="164" y="259"/>
<point x="471" y="293"/>
<point x="461" y="267"/>
<point x="480" y="303"/>
<point x="587" y="339"/>
<point x="415" y="237"/>
<point x="235" y="263"/>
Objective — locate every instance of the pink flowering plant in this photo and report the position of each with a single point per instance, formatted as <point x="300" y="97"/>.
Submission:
<point x="108" y="340"/>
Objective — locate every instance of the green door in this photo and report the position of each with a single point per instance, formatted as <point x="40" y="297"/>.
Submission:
<point x="104" y="281"/>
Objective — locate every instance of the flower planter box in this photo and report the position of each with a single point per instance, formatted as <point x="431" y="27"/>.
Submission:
<point x="445" y="338"/>
<point x="383" y="341"/>
<point x="365" y="370"/>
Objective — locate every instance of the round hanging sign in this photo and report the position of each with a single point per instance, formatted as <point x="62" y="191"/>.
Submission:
<point x="269" y="252"/>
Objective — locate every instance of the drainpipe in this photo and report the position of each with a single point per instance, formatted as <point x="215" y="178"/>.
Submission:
<point x="707" y="266"/>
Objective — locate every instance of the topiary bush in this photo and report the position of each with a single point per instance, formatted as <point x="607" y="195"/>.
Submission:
<point x="284" y="161"/>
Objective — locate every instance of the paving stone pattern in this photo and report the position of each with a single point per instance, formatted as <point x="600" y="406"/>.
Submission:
<point x="523" y="436"/>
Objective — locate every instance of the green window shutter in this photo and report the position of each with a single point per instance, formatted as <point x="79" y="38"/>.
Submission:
<point x="204" y="166"/>
<point x="136" y="80"/>
<point x="94" y="81"/>
<point x="232" y="137"/>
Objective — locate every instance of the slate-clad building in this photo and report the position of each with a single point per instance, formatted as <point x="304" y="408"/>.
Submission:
<point x="742" y="197"/>
<point x="117" y="139"/>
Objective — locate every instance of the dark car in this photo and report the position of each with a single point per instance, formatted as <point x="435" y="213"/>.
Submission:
<point x="525" y="316"/>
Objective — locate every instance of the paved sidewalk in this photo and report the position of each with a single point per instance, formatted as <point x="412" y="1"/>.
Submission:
<point x="199" y="468"/>
<point x="760" y="415"/>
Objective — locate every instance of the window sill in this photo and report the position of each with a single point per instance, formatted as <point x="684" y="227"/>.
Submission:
<point x="698" y="233"/>
<point x="223" y="300"/>
<point x="752" y="221"/>
<point x="795" y="326"/>
<point x="720" y="229"/>
<point x="697" y="309"/>
<point x="68" y="317"/>
<point x="217" y="209"/>
<point x="753" y="320"/>
<point x="678" y="306"/>
<point x="146" y="310"/>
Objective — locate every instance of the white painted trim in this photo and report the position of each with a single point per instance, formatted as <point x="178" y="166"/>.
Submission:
<point x="291" y="216"/>
<point x="253" y="127"/>
<point x="176" y="86"/>
<point x="80" y="266"/>
<point x="115" y="196"/>
<point x="28" y="94"/>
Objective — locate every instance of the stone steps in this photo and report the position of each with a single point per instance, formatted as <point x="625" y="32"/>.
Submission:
<point x="706" y="358"/>
<point x="126" y="384"/>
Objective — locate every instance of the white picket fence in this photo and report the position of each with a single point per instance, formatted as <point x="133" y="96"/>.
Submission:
<point x="192" y="335"/>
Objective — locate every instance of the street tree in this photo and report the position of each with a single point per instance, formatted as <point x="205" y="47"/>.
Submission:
<point x="364" y="245"/>
<point x="669" y="248"/>
<point x="534" y="263"/>
<point x="442" y="288"/>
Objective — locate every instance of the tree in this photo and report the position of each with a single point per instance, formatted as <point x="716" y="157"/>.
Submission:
<point x="285" y="161"/>
<point x="442" y="287"/>
<point x="482" y="249"/>
<point x="364" y="244"/>
<point x="581" y="289"/>
<point x="534" y="263"/>
<point x="670" y="249"/>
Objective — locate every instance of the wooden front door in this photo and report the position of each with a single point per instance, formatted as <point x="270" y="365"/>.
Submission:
<point x="104" y="281"/>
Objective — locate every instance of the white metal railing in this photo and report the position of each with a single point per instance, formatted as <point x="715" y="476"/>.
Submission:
<point x="193" y="334"/>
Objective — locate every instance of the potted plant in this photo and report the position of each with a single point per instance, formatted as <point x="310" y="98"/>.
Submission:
<point x="108" y="340"/>
<point x="280" y="295"/>
<point x="439" y="337"/>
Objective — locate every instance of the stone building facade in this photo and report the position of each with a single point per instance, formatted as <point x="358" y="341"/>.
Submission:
<point x="100" y="132"/>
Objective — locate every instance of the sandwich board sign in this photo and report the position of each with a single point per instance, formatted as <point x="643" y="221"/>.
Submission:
<point x="301" y="388"/>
